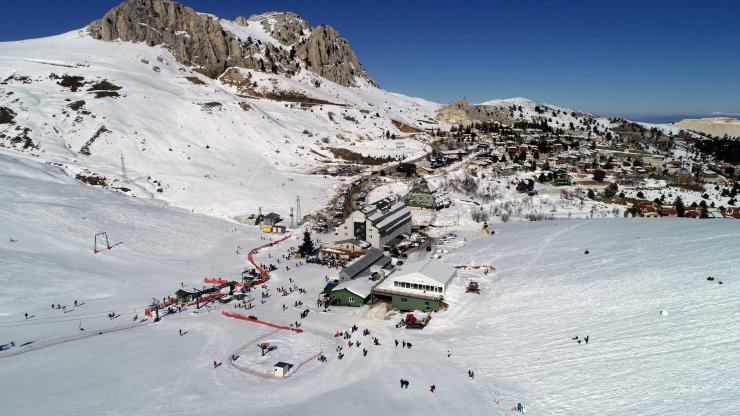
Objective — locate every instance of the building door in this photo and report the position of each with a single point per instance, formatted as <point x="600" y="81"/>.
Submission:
<point x="360" y="231"/>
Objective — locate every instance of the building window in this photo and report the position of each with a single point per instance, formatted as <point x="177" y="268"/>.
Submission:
<point x="404" y="300"/>
<point x="395" y="284"/>
<point x="350" y="299"/>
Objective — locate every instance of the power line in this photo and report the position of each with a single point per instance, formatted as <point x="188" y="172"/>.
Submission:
<point x="78" y="315"/>
<point x="53" y="322"/>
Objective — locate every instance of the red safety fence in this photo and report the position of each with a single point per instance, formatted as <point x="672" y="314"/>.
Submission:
<point x="215" y="281"/>
<point x="263" y="272"/>
<point x="269" y="376"/>
<point x="257" y="321"/>
<point x="167" y="303"/>
<point x="231" y="363"/>
<point x="218" y="281"/>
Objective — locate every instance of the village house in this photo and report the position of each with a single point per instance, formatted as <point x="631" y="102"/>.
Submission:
<point x="424" y="170"/>
<point x="669" y="212"/>
<point x="424" y="195"/>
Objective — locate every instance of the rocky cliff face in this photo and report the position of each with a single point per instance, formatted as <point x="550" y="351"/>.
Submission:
<point x="199" y="40"/>
<point x="286" y="28"/>
<point x="462" y="112"/>
<point x="329" y="55"/>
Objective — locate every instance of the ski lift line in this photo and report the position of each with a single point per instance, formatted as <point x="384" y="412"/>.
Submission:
<point x="78" y="315"/>
<point x="71" y="318"/>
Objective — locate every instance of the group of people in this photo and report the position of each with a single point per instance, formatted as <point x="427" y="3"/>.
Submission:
<point x="62" y="307"/>
<point x="404" y="344"/>
<point x="577" y="339"/>
<point x="331" y="262"/>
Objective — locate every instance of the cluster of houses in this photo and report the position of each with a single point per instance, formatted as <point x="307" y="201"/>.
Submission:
<point x="507" y="155"/>
<point x="651" y="209"/>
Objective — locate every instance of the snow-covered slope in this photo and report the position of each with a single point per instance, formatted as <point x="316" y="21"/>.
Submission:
<point x="186" y="139"/>
<point x="516" y="335"/>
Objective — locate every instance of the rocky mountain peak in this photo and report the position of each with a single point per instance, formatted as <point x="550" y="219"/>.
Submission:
<point x="329" y="55"/>
<point x="200" y="41"/>
<point x="286" y="27"/>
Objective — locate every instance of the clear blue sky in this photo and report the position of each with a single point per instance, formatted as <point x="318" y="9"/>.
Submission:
<point x="647" y="57"/>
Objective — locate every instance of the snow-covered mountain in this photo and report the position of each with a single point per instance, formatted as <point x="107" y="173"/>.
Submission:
<point x="181" y="114"/>
<point x="150" y="120"/>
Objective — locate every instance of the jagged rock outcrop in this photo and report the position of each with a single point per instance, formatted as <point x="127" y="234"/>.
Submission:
<point x="287" y="28"/>
<point x="241" y="21"/>
<point x="194" y="39"/>
<point x="329" y="55"/>
<point x="322" y="49"/>
<point x="199" y="40"/>
<point x="462" y="112"/>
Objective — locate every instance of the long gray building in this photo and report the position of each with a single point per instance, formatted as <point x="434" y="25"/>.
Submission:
<point x="377" y="223"/>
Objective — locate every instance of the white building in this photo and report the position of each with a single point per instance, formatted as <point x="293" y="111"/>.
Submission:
<point x="427" y="276"/>
<point x="417" y="286"/>
<point x="377" y="223"/>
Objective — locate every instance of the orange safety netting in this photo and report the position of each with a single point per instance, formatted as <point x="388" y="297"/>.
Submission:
<point x="262" y="271"/>
<point x="257" y="321"/>
<point x="215" y="280"/>
<point x="167" y="303"/>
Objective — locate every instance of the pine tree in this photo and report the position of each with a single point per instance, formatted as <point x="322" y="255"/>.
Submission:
<point x="680" y="207"/>
<point x="307" y="247"/>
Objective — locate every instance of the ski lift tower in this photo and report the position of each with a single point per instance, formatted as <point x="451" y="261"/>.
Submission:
<point x="156" y="305"/>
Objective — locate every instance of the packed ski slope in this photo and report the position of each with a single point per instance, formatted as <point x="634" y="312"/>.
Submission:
<point x="180" y="137"/>
<point x="516" y="335"/>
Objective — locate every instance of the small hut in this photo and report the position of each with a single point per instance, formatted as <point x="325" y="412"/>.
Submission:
<point x="183" y="296"/>
<point x="282" y="369"/>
